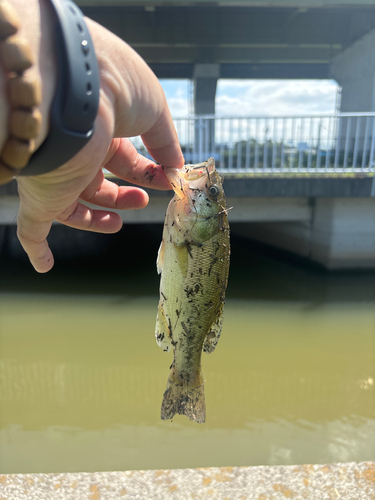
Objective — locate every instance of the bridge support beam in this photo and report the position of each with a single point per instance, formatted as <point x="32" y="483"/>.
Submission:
<point x="340" y="234"/>
<point x="205" y="81"/>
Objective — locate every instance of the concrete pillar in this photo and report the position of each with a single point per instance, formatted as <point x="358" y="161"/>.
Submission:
<point x="340" y="235"/>
<point x="205" y="82"/>
<point x="343" y="233"/>
<point x="354" y="70"/>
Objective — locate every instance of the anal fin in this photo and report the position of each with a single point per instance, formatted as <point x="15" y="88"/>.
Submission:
<point x="213" y="335"/>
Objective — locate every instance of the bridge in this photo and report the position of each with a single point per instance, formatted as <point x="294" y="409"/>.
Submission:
<point x="303" y="184"/>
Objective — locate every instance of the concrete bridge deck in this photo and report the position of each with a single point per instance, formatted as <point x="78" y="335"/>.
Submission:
<point x="354" y="481"/>
<point x="254" y="198"/>
<point x="328" y="220"/>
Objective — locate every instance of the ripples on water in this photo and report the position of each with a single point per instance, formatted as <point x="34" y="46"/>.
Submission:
<point x="81" y="377"/>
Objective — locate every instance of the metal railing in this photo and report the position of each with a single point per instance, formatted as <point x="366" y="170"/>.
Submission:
<point x="315" y="144"/>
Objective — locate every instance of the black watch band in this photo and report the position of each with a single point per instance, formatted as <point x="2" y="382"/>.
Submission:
<point x="76" y="101"/>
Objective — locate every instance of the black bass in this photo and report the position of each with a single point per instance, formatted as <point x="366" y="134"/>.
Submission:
<point x="193" y="261"/>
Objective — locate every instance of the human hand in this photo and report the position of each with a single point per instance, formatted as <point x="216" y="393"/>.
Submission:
<point x="132" y="103"/>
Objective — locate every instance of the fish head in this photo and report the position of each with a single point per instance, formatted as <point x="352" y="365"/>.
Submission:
<point x="199" y="202"/>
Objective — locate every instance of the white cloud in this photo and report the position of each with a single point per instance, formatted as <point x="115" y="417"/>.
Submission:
<point x="275" y="97"/>
<point x="259" y="97"/>
<point x="177" y="94"/>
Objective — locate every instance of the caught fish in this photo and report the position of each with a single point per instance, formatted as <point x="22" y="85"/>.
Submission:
<point x="193" y="261"/>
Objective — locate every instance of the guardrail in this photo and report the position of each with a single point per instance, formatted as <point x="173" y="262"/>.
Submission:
<point x="342" y="142"/>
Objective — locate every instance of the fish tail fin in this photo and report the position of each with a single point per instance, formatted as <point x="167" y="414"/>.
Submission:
<point x="184" y="397"/>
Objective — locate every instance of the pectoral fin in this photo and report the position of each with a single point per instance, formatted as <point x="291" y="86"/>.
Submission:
<point x="212" y="337"/>
<point x="160" y="259"/>
<point x="162" y="330"/>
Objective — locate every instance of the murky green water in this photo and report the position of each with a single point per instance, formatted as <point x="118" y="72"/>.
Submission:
<point x="81" y="377"/>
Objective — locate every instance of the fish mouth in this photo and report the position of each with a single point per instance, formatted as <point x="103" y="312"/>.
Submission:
<point x="202" y="175"/>
<point x="181" y="179"/>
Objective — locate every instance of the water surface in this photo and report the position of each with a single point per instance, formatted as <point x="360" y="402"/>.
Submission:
<point x="82" y="379"/>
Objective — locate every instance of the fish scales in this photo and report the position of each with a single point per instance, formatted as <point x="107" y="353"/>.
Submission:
<point x="194" y="263"/>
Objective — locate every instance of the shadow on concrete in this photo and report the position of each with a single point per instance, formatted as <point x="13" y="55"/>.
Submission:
<point x="124" y="264"/>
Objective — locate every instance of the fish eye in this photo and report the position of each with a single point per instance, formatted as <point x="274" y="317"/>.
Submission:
<point x="213" y="191"/>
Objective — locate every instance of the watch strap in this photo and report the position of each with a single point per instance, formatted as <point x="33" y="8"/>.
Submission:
<point x="75" y="104"/>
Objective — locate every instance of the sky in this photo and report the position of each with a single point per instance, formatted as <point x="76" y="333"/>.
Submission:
<point x="259" y="97"/>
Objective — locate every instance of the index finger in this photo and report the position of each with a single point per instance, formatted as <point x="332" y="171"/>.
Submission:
<point x="162" y="143"/>
<point x="125" y="162"/>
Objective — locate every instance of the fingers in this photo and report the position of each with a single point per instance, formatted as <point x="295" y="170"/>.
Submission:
<point x="33" y="233"/>
<point x="107" y="194"/>
<point x="32" y="236"/>
<point x="34" y="225"/>
<point x="125" y="162"/>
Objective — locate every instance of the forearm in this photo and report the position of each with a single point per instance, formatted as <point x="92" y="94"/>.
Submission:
<point x="37" y="27"/>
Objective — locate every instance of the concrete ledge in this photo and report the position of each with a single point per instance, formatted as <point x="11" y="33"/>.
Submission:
<point x="354" y="481"/>
<point x="289" y="186"/>
<point x="273" y="185"/>
<point x="298" y="185"/>
<point x="244" y="210"/>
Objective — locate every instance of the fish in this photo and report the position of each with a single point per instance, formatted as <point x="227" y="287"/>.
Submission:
<point x="193" y="261"/>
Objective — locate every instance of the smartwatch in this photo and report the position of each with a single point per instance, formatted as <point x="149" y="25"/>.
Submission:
<point x="75" y="104"/>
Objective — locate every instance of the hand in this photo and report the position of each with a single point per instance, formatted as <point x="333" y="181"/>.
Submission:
<point x="132" y="103"/>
